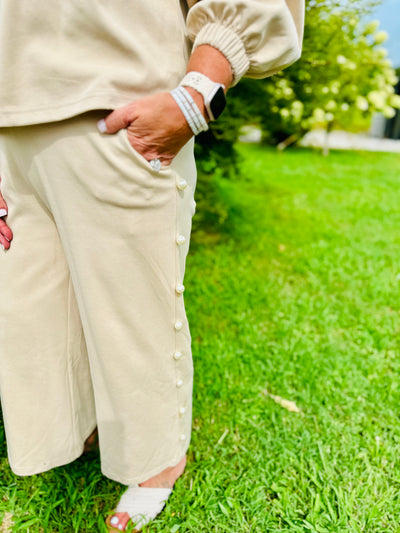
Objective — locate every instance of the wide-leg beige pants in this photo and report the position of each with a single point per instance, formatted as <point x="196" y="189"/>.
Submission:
<point x="93" y="329"/>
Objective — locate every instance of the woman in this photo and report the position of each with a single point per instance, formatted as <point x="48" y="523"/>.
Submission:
<point x="93" y="326"/>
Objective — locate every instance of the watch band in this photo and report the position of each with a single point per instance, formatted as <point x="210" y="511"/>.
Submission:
<point x="206" y="87"/>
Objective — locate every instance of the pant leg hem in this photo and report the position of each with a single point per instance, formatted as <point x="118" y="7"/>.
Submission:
<point x="34" y="470"/>
<point x="126" y="480"/>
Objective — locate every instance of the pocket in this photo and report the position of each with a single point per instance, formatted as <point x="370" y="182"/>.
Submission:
<point x="138" y="157"/>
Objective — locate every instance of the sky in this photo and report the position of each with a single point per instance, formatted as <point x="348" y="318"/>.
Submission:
<point x="388" y="13"/>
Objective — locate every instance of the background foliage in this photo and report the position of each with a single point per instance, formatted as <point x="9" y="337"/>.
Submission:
<point x="343" y="77"/>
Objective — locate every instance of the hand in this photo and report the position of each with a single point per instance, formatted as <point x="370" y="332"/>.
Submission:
<point x="156" y="127"/>
<point x="5" y="232"/>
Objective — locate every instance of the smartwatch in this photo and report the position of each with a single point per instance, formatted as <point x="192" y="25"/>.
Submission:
<point x="213" y="93"/>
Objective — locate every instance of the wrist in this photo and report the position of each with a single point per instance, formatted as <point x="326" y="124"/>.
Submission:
<point x="212" y="63"/>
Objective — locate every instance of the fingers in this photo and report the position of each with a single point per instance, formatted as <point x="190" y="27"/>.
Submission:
<point x="117" y="120"/>
<point x="5" y="232"/>
<point x="5" y="235"/>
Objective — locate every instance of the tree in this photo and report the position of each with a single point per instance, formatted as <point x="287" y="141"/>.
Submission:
<point x="343" y="77"/>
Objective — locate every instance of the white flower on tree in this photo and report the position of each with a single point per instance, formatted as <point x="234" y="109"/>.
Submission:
<point x="380" y="37"/>
<point x="362" y="103"/>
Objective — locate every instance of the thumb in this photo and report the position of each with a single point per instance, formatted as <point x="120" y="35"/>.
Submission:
<point x="117" y="120"/>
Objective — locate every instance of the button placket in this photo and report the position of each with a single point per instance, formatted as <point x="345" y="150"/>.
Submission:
<point x="181" y="185"/>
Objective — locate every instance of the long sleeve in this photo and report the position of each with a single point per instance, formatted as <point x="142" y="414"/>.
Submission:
<point x="258" y="37"/>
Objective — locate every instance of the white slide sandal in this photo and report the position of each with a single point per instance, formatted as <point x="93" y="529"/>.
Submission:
<point x="142" y="504"/>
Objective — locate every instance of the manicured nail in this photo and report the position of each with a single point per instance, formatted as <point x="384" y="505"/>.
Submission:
<point x="101" y="126"/>
<point x="3" y="212"/>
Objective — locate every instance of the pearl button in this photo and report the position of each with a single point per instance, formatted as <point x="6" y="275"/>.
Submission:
<point x="178" y="325"/>
<point x="181" y="184"/>
<point x="180" y="239"/>
<point x="179" y="383"/>
<point x="183" y="437"/>
<point x="180" y="288"/>
<point x="182" y="410"/>
<point x="177" y="355"/>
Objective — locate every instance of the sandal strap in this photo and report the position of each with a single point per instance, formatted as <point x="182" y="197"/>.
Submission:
<point x="143" y="503"/>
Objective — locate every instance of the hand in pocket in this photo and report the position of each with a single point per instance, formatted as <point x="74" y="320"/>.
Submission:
<point x="5" y="232"/>
<point x="156" y="127"/>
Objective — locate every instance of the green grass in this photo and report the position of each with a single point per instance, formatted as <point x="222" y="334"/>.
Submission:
<point x="299" y="298"/>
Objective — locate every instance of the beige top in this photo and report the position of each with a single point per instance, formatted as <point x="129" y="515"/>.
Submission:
<point x="64" y="57"/>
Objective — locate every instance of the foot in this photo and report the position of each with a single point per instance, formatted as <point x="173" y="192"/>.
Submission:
<point x="152" y="501"/>
<point x="92" y="442"/>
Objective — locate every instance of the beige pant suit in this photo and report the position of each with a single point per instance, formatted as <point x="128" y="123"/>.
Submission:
<point x="93" y="330"/>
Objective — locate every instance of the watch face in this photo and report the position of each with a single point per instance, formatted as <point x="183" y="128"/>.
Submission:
<point x="218" y="102"/>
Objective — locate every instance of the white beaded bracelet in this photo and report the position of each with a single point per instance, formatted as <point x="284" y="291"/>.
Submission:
<point x="191" y="109"/>
<point x="187" y="110"/>
<point x="191" y="112"/>
<point x="192" y="103"/>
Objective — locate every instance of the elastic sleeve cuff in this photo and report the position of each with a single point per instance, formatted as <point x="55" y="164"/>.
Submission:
<point x="228" y="43"/>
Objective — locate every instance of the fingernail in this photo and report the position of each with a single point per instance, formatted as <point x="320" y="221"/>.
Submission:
<point x="3" y="212"/>
<point x="2" y="245"/>
<point x="101" y="126"/>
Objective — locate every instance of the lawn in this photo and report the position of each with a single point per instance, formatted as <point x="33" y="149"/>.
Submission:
<point x="295" y="319"/>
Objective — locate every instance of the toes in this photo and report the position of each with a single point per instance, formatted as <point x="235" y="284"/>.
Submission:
<point x="119" y="521"/>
